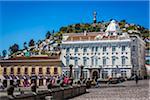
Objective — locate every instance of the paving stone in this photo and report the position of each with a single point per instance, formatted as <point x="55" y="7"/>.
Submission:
<point x="125" y="91"/>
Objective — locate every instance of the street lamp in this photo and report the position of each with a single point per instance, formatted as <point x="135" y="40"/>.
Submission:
<point x="81" y="75"/>
<point x="70" y="74"/>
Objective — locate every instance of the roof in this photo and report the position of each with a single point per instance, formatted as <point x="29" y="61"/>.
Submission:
<point x="31" y="61"/>
<point x="34" y="58"/>
<point x="92" y="36"/>
<point x="83" y="36"/>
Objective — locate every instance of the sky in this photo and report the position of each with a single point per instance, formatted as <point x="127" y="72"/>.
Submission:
<point x="22" y="21"/>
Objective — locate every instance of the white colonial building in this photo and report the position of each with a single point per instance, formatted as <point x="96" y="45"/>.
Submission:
<point x="110" y="53"/>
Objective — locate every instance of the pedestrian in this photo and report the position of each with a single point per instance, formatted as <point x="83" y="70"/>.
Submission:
<point x="97" y="83"/>
<point x="88" y="83"/>
<point x="136" y="78"/>
<point x="33" y="87"/>
<point x="109" y="80"/>
<point x="49" y="86"/>
<point x="21" y="91"/>
<point x="10" y="90"/>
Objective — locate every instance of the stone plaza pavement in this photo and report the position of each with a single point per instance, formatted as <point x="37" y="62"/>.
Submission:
<point x="125" y="91"/>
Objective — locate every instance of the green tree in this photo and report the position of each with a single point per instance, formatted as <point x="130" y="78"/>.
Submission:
<point x="48" y="35"/>
<point x="63" y="29"/>
<point x="14" y="48"/>
<point x="4" y="52"/>
<point x="77" y="26"/>
<point x="124" y="21"/>
<point x="31" y="43"/>
<point x="25" y="45"/>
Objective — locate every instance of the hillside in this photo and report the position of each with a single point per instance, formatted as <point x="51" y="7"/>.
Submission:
<point x="51" y="44"/>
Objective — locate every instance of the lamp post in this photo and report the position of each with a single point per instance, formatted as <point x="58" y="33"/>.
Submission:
<point x="81" y="75"/>
<point x="70" y="74"/>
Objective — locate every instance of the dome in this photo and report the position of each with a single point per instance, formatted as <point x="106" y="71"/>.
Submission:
<point x="113" y="27"/>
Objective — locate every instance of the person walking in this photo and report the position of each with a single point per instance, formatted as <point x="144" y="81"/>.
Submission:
<point x="88" y="83"/>
<point x="33" y="87"/>
<point x="49" y="86"/>
<point x="136" y="78"/>
<point x="109" y="80"/>
<point x="97" y="83"/>
<point x="10" y="91"/>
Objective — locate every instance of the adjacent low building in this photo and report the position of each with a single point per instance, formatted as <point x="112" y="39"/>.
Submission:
<point x="103" y="54"/>
<point x="24" y="70"/>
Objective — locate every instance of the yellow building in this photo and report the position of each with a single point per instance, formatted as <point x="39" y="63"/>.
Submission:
<point x="25" y="70"/>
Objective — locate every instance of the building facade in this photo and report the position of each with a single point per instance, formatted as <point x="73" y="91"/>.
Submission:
<point x="26" y="70"/>
<point x="103" y="54"/>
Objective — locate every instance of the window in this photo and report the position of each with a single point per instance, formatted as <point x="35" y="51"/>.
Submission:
<point x="67" y="50"/>
<point x="67" y="61"/>
<point x="123" y="48"/>
<point x="133" y="49"/>
<point x="123" y="74"/>
<point x="92" y="61"/>
<point x="104" y="61"/>
<point x="84" y="61"/>
<point x="113" y="48"/>
<point x="104" y="48"/>
<point x="55" y="70"/>
<point x="40" y="71"/>
<point x="96" y="49"/>
<point x="76" y="61"/>
<point x="76" y="74"/>
<point x="123" y="60"/>
<point x="26" y="71"/>
<point x="92" y="49"/>
<point x="96" y="61"/>
<point x="84" y="49"/>
<point x="113" y="60"/>
<point x="12" y="71"/>
<point x="104" y="74"/>
<point x="48" y="70"/>
<point x="114" y="74"/>
<point x="85" y="75"/>
<point x="18" y="71"/>
<point x="5" y="71"/>
<point x="33" y="71"/>
<point x="76" y="50"/>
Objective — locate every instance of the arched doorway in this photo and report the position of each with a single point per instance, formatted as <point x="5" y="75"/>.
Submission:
<point x="95" y="75"/>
